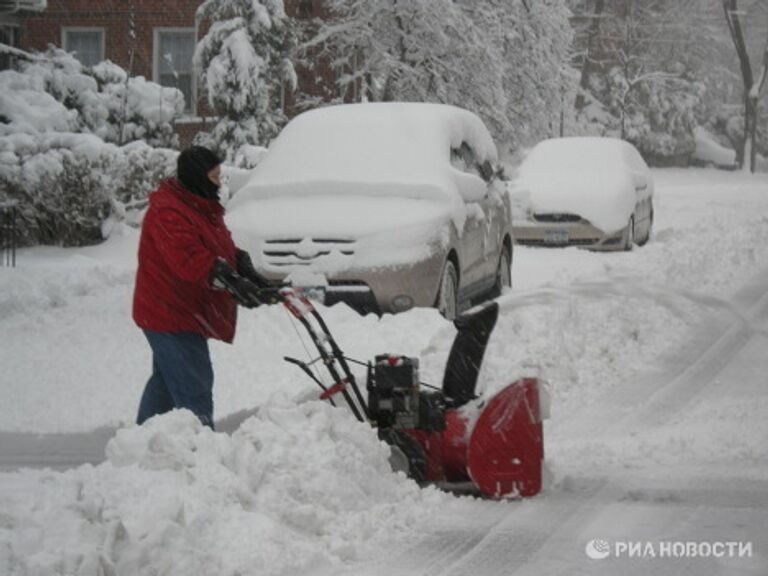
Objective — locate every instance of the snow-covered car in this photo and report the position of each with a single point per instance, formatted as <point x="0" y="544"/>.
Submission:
<point x="387" y="205"/>
<point x="591" y="192"/>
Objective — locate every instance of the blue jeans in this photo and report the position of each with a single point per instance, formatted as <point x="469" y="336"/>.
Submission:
<point x="182" y="376"/>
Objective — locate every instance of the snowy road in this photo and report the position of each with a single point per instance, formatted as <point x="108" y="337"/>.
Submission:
<point x="638" y="502"/>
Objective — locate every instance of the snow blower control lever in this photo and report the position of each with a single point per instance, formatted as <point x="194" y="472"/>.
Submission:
<point x="450" y="436"/>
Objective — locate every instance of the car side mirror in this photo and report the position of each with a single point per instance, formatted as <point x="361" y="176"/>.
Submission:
<point x="640" y="180"/>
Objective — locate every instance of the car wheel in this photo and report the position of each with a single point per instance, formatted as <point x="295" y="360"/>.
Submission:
<point x="629" y="234"/>
<point x="503" y="272"/>
<point x="647" y="236"/>
<point x="447" y="298"/>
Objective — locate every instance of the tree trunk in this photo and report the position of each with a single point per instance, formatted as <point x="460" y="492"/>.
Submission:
<point x="752" y="99"/>
<point x="750" y="104"/>
<point x="593" y="32"/>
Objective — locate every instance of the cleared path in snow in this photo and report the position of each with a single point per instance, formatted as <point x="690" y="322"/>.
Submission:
<point x="62" y="451"/>
<point x="643" y="500"/>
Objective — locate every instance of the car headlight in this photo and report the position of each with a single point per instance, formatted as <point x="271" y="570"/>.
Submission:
<point x="402" y="302"/>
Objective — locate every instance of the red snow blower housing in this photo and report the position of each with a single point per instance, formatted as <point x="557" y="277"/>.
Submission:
<point x="448" y="436"/>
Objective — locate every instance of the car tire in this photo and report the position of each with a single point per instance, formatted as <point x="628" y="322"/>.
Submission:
<point x="647" y="236"/>
<point x="447" y="302"/>
<point x="629" y="235"/>
<point x="503" y="272"/>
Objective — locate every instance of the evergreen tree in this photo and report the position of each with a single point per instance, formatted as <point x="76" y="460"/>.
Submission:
<point x="244" y="63"/>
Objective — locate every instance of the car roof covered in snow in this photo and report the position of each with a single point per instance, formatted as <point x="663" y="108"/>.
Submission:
<point x="581" y="153"/>
<point x="374" y="147"/>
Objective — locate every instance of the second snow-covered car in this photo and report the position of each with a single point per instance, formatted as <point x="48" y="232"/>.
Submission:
<point x="595" y="193"/>
<point x="389" y="205"/>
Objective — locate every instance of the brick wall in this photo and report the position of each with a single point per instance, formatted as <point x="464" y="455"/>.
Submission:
<point x="114" y="16"/>
<point x="38" y="30"/>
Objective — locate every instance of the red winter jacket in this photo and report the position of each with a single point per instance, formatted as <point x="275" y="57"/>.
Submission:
<point x="181" y="236"/>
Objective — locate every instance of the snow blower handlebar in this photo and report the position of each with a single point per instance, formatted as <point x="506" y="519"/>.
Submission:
<point x="304" y="311"/>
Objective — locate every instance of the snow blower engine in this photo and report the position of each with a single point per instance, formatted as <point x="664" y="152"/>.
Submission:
<point x="447" y="436"/>
<point x="395" y="397"/>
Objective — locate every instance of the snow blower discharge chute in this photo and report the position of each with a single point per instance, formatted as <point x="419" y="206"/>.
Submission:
<point x="445" y="436"/>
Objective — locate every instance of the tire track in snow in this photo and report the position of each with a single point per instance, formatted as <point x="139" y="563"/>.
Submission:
<point x="653" y="398"/>
<point x="699" y="373"/>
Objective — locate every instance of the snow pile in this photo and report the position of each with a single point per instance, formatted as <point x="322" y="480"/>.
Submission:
<point x="710" y="152"/>
<point x="295" y="487"/>
<point x="590" y="177"/>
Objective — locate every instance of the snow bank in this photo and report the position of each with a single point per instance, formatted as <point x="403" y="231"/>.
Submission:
<point x="295" y="487"/>
<point x="710" y="152"/>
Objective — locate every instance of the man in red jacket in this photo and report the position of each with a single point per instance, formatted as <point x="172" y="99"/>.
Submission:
<point x="190" y="278"/>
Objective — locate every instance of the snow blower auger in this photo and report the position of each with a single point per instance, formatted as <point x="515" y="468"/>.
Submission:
<point x="449" y="436"/>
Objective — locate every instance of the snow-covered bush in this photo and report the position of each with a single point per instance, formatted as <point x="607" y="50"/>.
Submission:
<point x="60" y="126"/>
<point x="67" y="185"/>
<point x="61" y="195"/>
<point x="101" y="100"/>
<point x="137" y="108"/>
<point x="243" y="62"/>
<point x="663" y="120"/>
<point x="135" y="172"/>
<point x="655" y="112"/>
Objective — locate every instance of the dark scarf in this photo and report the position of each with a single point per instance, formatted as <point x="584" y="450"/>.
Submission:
<point x="192" y="169"/>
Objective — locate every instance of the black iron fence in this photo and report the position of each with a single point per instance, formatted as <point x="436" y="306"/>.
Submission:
<point x="8" y="236"/>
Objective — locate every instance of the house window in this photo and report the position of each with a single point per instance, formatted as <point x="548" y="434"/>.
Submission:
<point x="174" y="48"/>
<point x="305" y="9"/>
<point x="86" y="43"/>
<point x="10" y="37"/>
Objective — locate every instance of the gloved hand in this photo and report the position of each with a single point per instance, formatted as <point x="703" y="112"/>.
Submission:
<point x="245" y="292"/>
<point x="246" y="269"/>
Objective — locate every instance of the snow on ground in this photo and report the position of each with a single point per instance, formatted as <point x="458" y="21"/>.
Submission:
<point x="176" y="498"/>
<point x="300" y="484"/>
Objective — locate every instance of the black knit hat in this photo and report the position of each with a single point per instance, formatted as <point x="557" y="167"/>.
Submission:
<point x="192" y="169"/>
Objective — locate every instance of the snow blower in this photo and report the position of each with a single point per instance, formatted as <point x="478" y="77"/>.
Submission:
<point x="446" y="436"/>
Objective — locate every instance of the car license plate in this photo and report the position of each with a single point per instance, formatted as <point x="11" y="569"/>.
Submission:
<point x="556" y="236"/>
